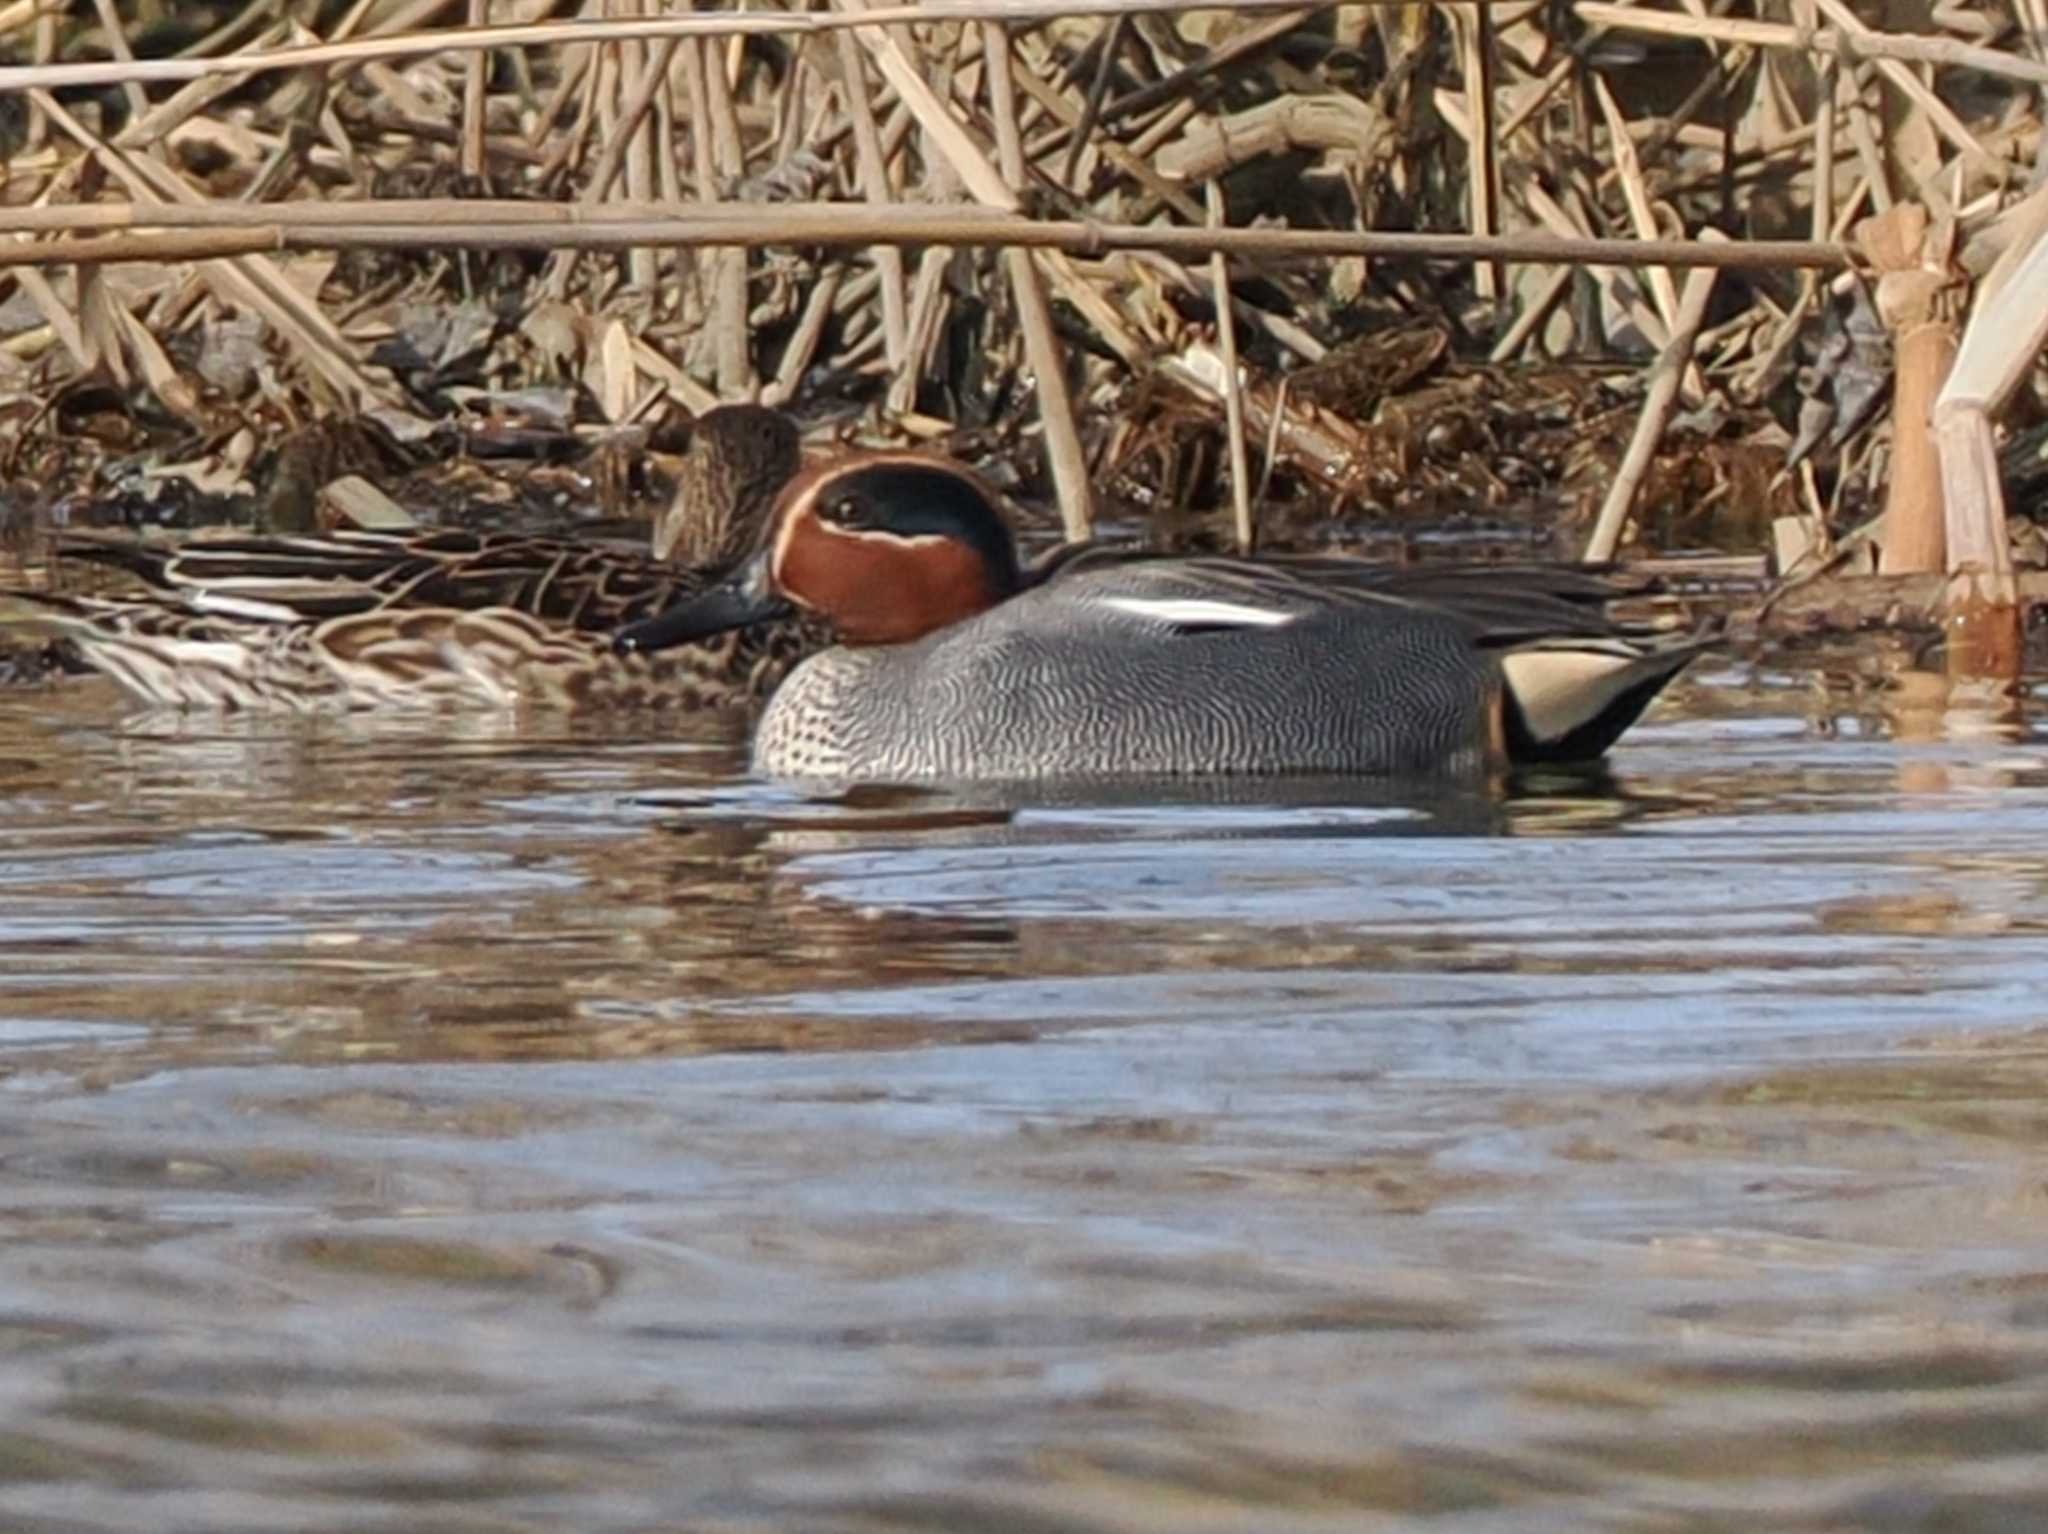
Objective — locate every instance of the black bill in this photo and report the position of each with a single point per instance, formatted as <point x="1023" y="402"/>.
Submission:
<point x="742" y="598"/>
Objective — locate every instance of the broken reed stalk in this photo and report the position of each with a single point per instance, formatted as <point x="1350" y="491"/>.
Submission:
<point x="1535" y="314"/>
<point x="1665" y="374"/>
<point x="1823" y="221"/>
<point x="2005" y="334"/>
<point x="110" y="19"/>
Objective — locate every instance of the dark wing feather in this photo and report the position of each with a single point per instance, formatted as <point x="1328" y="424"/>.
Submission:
<point x="1504" y="604"/>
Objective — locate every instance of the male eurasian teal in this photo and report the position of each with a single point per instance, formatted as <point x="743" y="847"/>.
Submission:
<point x="959" y="663"/>
<point x="361" y="620"/>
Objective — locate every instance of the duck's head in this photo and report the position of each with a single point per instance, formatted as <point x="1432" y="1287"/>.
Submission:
<point x="739" y="456"/>
<point x="888" y="546"/>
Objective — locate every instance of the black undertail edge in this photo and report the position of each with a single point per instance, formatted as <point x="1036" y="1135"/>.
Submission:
<point x="1592" y="740"/>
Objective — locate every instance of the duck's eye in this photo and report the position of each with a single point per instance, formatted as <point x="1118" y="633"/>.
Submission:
<point x="849" y="511"/>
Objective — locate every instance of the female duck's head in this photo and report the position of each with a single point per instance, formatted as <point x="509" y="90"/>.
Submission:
<point x="739" y="457"/>
<point x="888" y="546"/>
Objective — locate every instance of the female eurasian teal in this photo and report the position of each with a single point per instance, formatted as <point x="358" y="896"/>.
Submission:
<point x="355" y="620"/>
<point x="958" y="663"/>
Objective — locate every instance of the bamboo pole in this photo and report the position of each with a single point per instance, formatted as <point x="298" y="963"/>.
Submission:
<point x="447" y="223"/>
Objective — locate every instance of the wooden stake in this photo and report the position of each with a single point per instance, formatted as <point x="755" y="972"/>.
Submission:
<point x="1916" y="300"/>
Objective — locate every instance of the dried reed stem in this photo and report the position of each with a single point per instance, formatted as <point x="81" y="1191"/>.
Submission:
<point x="475" y="76"/>
<point x="1475" y="38"/>
<point x="1034" y="316"/>
<point x="251" y="281"/>
<point x="1665" y="374"/>
<point x="1849" y="40"/>
<point x="1944" y="121"/>
<point x="2005" y="335"/>
<point x="735" y="359"/>
<point x="876" y="188"/>
<point x="1233" y="384"/>
<point x="547" y="34"/>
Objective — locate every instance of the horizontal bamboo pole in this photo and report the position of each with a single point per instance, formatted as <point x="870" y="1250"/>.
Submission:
<point x="445" y="224"/>
<point x="552" y="34"/>
<point x="167" y="245"/>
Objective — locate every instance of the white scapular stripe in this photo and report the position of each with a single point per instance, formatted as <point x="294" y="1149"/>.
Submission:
<point x="1560" y="689"/>
<point x="1201" y="610"/>
<point x="227" y="606"/>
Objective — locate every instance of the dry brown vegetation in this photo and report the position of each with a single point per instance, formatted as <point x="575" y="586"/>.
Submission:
<point x="1546" y="274"/>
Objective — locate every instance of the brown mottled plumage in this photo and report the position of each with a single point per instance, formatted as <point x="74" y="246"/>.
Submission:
<point x="439" y="618"/>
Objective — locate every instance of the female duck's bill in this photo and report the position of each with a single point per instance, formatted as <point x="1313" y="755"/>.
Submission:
<point x="956" y="666"/>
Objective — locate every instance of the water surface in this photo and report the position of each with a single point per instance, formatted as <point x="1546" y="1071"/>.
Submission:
<point x="475" y="1126"/>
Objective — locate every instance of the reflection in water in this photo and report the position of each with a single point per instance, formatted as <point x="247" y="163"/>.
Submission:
<point x="444" y="1125"/>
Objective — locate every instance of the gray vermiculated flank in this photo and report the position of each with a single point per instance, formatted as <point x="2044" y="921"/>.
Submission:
<point x="1054" y="683"/>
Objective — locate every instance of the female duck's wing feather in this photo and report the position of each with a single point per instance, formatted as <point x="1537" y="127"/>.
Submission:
<point x="378" y="620"/>
<point x="398" y="658"/>
<point x="583" y="586"/>
<point x="356" y="619"/>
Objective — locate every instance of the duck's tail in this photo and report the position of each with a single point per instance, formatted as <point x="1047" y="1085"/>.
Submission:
<point x="159" y="656"/>
<point x="1568" y="700"/>
<point x="40" y="615"/>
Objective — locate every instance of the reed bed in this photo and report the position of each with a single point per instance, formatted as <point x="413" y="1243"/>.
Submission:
<point x="1622" y="276"/>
